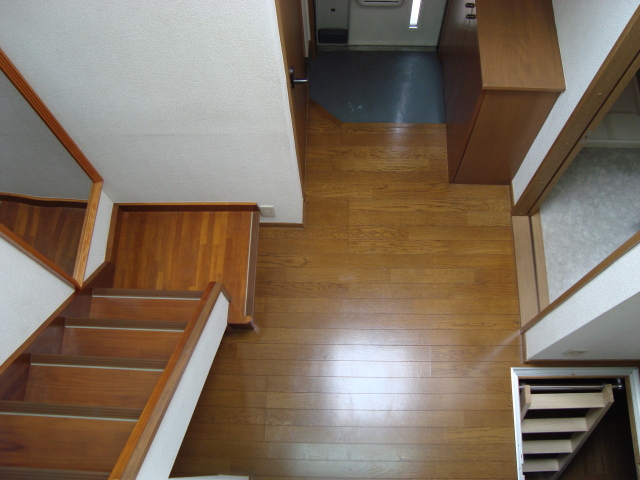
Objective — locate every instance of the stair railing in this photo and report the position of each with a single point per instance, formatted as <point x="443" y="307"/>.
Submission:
<point x="140" y="440"/>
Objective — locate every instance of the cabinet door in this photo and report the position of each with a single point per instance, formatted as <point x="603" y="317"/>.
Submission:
<point x="465" y="96"/>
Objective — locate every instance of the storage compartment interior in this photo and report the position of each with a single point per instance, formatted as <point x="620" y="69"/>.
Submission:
<point x="595" y="206"/>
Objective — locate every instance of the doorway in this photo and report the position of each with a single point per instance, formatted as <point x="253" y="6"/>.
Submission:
<point x="374" y="65"/>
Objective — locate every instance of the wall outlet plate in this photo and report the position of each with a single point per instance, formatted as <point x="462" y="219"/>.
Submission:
<point x="267" y="210"/>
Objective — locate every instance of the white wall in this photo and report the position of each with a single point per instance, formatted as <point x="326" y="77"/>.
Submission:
<point x="159" y="460"/>
<point x="100" y="236"/>
<point x="390" y="25"/>
<point x="32" y="160"/>
<point x="603" y="317"/>
<point x="587" y="30"/>
<point x="170" y="101"/>
<point x="29" y="294"/>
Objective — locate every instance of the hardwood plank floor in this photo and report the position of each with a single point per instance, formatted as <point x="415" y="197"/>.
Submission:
<point x="185" y="250"/>
<point x="385" y="328"/>
<point x="54" y="231"/>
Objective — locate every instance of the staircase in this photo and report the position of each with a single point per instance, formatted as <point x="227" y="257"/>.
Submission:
<point x="555" y="426"/>
<point x="90" y="388"/>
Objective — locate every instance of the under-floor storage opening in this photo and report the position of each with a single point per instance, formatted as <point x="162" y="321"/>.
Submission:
<point x="576" y="423"/>
<point x="593" y="209"/>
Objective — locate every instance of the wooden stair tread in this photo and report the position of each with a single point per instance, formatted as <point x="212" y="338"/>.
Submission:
<point x="65" y="384"/>
<point x="125" y="324"/>
<point x="554" y="425"/>
<point x="101" y="362"/>
<point x="152" y="344"/>
<point x="142" y="308"/>
<point x="21" y="473"/>
<point x="531" y="465"/>
<point x="557" y="401"/>
<point x="10" y="407"/>
<point x="139" y="293"/>
<point x="547" y="446"/>
<point x="66" y="443"/>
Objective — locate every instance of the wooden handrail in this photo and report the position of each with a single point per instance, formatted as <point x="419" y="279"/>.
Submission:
<point x="35" y="255"/>
<point x="136" y="448"/>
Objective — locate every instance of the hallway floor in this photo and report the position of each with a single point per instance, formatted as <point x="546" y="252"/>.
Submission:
<point x="386" y="327"/>
<point x="378" y="86"/>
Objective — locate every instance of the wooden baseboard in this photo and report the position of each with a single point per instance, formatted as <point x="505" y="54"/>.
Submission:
<point x="252" y="263"/>
<point x="42" y="202"/>
<point x="188" y="207"/>
<point x="281" y="225"/>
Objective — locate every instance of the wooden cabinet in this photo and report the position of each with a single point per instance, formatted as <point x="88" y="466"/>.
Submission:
<point x="502" y="75"/>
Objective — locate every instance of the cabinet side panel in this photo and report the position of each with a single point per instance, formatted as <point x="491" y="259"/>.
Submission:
<point x="451" y="45"/>
<point x="503" y="133"/>
<point x="463" y="87"/>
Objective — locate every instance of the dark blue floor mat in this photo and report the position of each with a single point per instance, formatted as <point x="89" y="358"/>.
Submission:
<point x="378" y="86"/>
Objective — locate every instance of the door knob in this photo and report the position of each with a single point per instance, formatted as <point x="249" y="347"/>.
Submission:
<point x="293" y="80"/>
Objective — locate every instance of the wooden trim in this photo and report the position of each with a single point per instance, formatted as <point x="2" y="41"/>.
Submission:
<point x="188" y="207"/>
<point x="525" y="268"/>
<point x="104" y="271"/>
<point x="191" y="295"/>
<point x="313" y="44"/>
<point x="38" y="331"/>
<point x="124" y="324"/>
<point x="325" y="113"/>
<point x="27" y="473"/>
<point x="136" y="448"/>
<point x="633" y="422"/>
<point x="577" y="364"/>
<point x="35" y="255"/>
<point x="540" y="260"/>
<point x="606" y="106"/>
<point x="252" y="264"/>
<point x="109" y="362"/>
<point x="62" y="410"/>
<point x="84" y="246"/>
<point x="604" y="88"/>
<point x="114" y="234"/>
<point x="297" y="134"/>
<point x="43" y="202"/>
<point x="597" y="270"/>
<point x="18" y="81"/>
<point x="281" y="225"/>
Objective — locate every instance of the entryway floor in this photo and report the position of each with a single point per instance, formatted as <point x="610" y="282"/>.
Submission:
<point x="378" y="86"/>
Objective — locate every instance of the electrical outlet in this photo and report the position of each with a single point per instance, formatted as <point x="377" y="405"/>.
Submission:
<point x="267" y="211"/>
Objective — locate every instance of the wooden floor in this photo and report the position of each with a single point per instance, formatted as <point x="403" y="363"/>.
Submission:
<point x="386" y="327"/>
<point x="52" y="230"/>
<point x="185" y="250"/>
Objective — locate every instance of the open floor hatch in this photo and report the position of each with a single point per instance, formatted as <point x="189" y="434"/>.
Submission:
<point x="556" y="410"/>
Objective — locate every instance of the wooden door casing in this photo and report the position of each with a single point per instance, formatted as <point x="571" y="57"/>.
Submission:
<point x="293" y="49"/>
